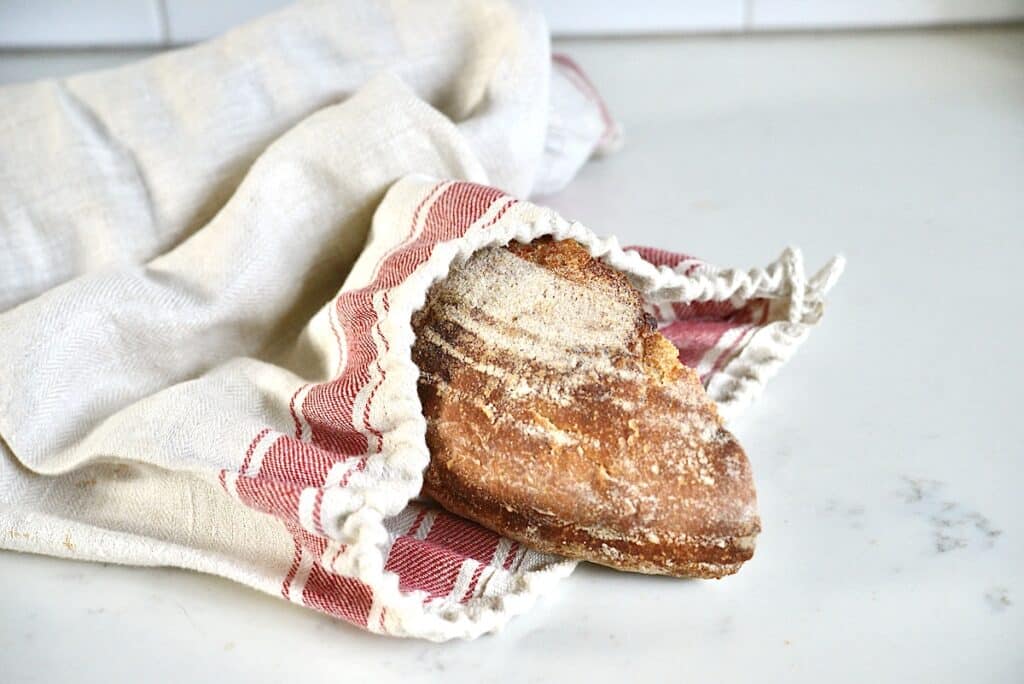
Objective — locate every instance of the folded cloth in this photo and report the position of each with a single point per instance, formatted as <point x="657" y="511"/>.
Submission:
<point x="208" y="272"/>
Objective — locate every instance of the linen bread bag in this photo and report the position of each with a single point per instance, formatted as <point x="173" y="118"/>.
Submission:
<point x="206" y="344"/>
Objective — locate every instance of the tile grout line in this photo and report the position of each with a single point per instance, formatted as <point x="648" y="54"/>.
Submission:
<point x="748" y="16"/>
<point x="162" y="19"/>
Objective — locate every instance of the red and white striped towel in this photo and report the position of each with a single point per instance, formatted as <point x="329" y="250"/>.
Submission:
<point x="183" y="382"/>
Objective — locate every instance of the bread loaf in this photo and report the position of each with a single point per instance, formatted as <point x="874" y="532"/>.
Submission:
<point x="557" y="416"/>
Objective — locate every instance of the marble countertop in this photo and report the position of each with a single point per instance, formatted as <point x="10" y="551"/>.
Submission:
<point x="888" y="455"/>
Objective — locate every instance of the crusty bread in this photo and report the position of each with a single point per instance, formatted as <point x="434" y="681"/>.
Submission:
<point x="557" y="416"/>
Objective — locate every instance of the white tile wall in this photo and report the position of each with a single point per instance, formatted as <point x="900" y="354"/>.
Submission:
<point x="797" y="14"/>
<point x="192" y="20"/>
<point x="63" y="23"/>
<point x="602" y="17"/>
<point x="78" y="23"/>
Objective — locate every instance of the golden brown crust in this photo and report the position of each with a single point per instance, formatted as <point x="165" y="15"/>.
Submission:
<point x="558" y="417"/>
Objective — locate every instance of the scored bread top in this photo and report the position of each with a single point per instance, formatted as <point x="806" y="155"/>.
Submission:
<point x="558" y="416"/>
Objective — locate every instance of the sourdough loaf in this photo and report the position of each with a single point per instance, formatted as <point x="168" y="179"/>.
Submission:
<point x="557" y="416"/>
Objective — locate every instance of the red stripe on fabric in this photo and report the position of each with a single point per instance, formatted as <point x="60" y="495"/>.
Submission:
<point x="712" y="311"/>
<point x="742" y="339"/>
<point x="432" y="565"/>
<point x="381" y="374"/>
<point x="419" y="207"/>
<point x="223" y="480"/>
<point x="298" y="462"/>
<point x="659" y="257"/>
<point x="314" y="543"/>
<point x="694" y="339"/>
<point x="280" y="499"/>
<point x="423" y="566"/>
<point x="472" y="584"/>
<point x="500" y="213"/>
<point x="342" y="597"/>
<point x="317" y="503"/>
<point x="461" y="205"/>
<point x="378" y="435"/>
<point x="700" y="326"/>
<point x="519" y="561"/>
<point x="728" y="353"/>
<point x="387" y="309"/>
<point x="295" y="415"/>
<point x="511" y="555"/>
<point x="360" y="467"/>
<point x="464" y="538"/>
<point x="325" y="591"/>
<point x="334" y="557"/>
<point x="583" y="82"/>
<point x="415" y="527"/>
<point x="252" y="449"/>
<point x="286" y="585"/>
